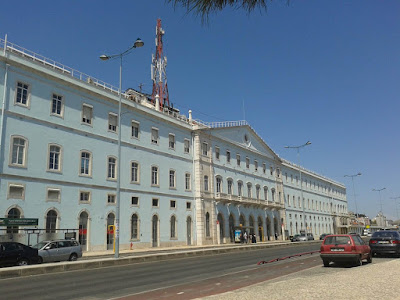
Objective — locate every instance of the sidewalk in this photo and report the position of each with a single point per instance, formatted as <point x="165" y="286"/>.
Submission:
<point x="370" y="281"/>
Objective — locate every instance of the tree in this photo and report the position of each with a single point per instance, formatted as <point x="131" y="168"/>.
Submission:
<point x="205" y="7"/>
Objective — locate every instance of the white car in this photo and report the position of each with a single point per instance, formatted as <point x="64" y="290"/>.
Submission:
<point x="59" y="250"/>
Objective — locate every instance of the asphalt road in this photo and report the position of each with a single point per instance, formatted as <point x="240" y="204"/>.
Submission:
<point x="138" y="279"/>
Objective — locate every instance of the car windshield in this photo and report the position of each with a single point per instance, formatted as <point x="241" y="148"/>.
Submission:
<point x="388" y="234"/>
<point x="40" y="245"/>
<point x="337" y="240"/>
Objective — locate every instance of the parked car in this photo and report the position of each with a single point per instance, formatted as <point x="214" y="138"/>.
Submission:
<point x="385" y="242"/>
<point x="302" y="238"/>
<point x="344" y="248"/>
<point x="12" y="253"/>
<point x="59" y="250"/>
<point x="310" y="237"/>
<point x="294" y="238"/>
<point x="322" y="236"/>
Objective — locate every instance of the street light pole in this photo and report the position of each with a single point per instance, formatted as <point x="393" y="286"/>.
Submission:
<point x="138" y="43"/>
<point x="380" y="199"/>
<point x="395" y="205"/>
<point x="354" y="191"/>
<point x="301" y="182"/>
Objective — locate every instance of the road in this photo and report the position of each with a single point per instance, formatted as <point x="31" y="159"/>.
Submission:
<point x="148" y="280"/>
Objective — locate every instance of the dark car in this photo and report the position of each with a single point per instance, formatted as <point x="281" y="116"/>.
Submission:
<point x="344" y="248"/>
<point x="322" y="236"/>
<point x="310" y="237"/>
<point x="295" y="238"/>
<point x="385" y="242"/>
<point x="12" y="253"/>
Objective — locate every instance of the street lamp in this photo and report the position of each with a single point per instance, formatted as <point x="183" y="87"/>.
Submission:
<point x="301" y="182"/>
<point x="380" y="199"/>
<point x="138" y="43"/>
<point x="395" y="205"/>
<point x="354" y="191"/>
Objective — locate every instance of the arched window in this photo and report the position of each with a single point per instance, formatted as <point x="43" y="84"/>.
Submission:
<point x="54" y="163"/>
<point x="112" y="166"/>
<point x="273" y="195"/>
<point x="135" y="227"/>
<point x="173" y="227"/>
<point x="219" y="184"/>
<point x="83" y="225"/>
<point x="240" y="185"/>
<point x="51" y="221"/>
<point x="230" y="184"/>
<point x="13" y="213"/>
<point x="265" y="193"/>
<point x="207" y="224"/>
<point x="249" y="188"/>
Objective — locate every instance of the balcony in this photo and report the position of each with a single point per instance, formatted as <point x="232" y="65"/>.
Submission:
<point x="227" y="198"/>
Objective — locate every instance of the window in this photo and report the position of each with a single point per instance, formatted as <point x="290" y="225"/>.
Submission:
<point x="271" y="170"/>
<point x="171" y="141"/>
<point x="255" y="165"/>
<point x="84" y="196"/>
<point x="247" y="162"/>
<point x="134" y="227"/>
<point x="264" y="168"/>
<point x="266" y="193"/>
<point x="172" y="183"/>
<point x="204" y="149"/>
<point x="18" y="155"/>
<point x="186" y="144"/>
<point x="172" y="204"/>
<point x="188" y="205"/>
<point x="87" y="114"/>
<point x="187" y="181"/>
<point x="110" y="199"/>
<point x="112" y="122"/>
<point x="238" y="159"/>
<point x="257" y="192"/>
<point x="207" y="224"/>
<point x="288" y="200"/>
<point x="111" y="167"/>
<point x="240" y="185"/>
<point x="217" y="153"/>
<point x="135" y="172"/>
<point x="249" y="190"/>
<point x="22" y="95"/>
<point x="135" y="129"/>
<point x="154" y="136"/>
<point x="230" y="183"/>
<point x="86" y="163"/>
<point x="53" y="195"/>
<point x="219" y="184"/>
<point x="154" y="175"/>
<point x="57" y="105"/>
<point x="228" y="156"/>
<point x="54" y="163"/>
<point x="51" y="221"/>
<point x="273" y="195"/>
<point x="205" y="183"/>
<point x="16" y="191"/>
<point x="135" y="201"/>
<point x="173" y="227"/>
<point x="155" y="202"/>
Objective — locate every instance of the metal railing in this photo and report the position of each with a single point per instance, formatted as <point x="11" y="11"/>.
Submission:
<point x="222" y="124"/>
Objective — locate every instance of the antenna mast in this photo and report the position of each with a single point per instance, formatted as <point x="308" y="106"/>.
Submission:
<point x="159" y="70"/>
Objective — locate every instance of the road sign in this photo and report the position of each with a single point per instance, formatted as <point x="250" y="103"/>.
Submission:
<point x="18" y="222"/>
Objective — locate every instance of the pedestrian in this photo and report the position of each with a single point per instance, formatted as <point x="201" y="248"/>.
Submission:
<point x="241" y="238"/>
<point x="254" y="238"/>
<point x="276" y="236"/>
<point x="245" y="236"/>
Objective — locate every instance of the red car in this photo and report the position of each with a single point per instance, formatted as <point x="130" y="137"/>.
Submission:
<point x="345" y="248"/>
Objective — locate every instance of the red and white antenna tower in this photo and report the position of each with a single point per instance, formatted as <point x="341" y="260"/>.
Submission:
<point x="159" y="70"/>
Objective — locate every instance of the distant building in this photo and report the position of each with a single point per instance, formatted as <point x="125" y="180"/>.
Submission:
<point x="183" y="181"/>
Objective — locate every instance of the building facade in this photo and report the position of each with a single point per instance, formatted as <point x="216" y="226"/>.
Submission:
<point x="183" y="182"/>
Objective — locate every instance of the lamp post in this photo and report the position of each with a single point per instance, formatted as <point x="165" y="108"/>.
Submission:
<point x="395" y="205"/>
<point x="380" y="199"/>
<point x="354" y="191"/>
<point x="138" y="43"/>
<point x="301" y="182"/>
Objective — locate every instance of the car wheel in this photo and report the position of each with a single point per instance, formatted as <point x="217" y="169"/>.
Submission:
<point x="326" y="263"/>
<point x="73" y="257"/>
<point x="23" y="262"/>
<point x="40" y="260"/>
<point x="369" y="258"/>
<point x="359" y="261"/>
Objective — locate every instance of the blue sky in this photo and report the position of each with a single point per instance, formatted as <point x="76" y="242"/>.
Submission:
<point x="324" y="71"/>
